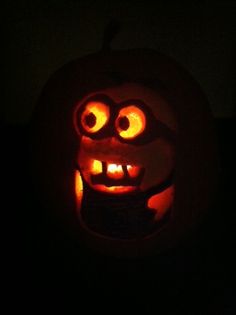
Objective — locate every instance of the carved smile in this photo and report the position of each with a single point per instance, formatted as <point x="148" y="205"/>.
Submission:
<point x="111" y="174"/>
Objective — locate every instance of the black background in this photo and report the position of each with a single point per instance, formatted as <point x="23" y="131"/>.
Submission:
<point x="41" y="36"/>
<point x="43" y="264"/>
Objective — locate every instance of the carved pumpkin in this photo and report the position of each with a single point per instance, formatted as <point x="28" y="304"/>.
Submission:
<point x="126" y="160"/>
<point x="124" y="146"/>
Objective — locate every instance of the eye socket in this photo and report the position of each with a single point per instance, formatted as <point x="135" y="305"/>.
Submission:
<point x="131" y="122"/>
<point x="94" y="116"/>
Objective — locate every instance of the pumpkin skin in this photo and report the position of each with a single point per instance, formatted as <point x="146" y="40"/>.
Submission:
<point x="175" y="99"/>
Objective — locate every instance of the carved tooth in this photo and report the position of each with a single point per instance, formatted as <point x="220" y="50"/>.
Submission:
<point x="133" y="170"/>
<point x="115" y="171"/>
<point x="96" y="167"/>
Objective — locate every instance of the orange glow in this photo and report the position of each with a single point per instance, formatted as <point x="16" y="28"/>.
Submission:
<point x="96" y="167"/>
<point x="99" y="113"/>
<point x="78" y="188"/>
<point x="106" y="170"/>
<point x="115" y="171"/>
<point x="135" y="120"/>
<point x="115" y="189"/>
<point x="133" y="170"/>
<point x="161" y="202"/>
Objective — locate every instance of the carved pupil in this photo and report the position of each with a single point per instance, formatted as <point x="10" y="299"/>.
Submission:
<point x="123" y="123"/>
<point x="90" y="120"/>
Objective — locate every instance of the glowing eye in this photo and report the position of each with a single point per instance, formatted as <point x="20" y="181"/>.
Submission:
<point x="130" y="122"/>
<point x="95" y="116"/>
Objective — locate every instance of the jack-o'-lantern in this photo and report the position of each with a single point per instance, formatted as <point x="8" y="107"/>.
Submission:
<point x="124" y="150"/>
<point x="126" y="160"/>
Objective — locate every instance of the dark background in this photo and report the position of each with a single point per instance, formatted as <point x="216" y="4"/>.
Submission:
<point x="44" y="264"/>
<point x="41" y="36"/>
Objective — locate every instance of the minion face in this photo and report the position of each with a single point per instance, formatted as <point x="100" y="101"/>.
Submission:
<point x="127" y="145"/>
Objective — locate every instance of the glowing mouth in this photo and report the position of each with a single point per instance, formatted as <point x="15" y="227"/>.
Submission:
<point x="111" y="174"/>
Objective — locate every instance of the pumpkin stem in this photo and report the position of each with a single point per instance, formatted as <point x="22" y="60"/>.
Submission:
<point x="111" y="30"/>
